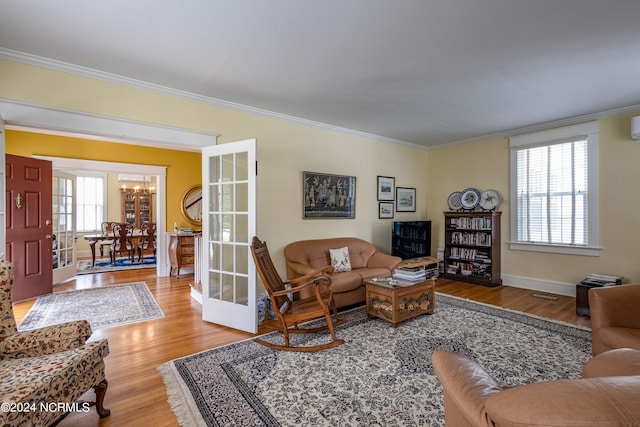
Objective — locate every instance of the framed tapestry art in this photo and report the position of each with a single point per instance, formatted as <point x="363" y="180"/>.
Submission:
<point x="386" y="187"/>
<point x="405" y="199"/>
<point x="328" y="196"/>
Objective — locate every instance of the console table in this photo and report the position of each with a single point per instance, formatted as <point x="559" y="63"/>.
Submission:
<point x="181" y="251"/>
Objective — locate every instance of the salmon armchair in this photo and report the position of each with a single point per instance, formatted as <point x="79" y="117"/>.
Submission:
<point x="615" y="317"/>
<point x="48" y="366"/>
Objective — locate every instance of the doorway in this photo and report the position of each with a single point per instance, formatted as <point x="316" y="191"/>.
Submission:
<point x="73" y="166"/>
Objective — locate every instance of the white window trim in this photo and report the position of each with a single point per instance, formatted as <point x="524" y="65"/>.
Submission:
<point x="545" y="137"/>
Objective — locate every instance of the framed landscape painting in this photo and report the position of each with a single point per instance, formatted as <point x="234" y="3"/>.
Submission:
<point x="386" y="187"/>
<point x="405" y="199"/>
<point x="328" y="196"/>
<point x="385" y="210"/>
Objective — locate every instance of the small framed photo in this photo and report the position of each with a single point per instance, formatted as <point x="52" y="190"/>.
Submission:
<point x="405" y="199"/>
<point x="385" y="210"/>
<point x="386" y="187"/>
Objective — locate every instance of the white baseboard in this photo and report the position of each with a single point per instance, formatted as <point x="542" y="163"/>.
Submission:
<point x="197" y="296"/>
<point x="543" y="285"/>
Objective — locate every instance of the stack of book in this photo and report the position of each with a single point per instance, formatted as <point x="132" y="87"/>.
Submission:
<point x="603" y="280"/>
<point x="411" y="274"/>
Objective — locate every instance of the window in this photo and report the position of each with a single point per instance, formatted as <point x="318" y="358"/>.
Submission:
<point x="90" y="203"/>
<point x="554" y="190"/>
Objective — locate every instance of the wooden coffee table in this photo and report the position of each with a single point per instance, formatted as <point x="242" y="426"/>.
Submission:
<point x="398" y="302"/>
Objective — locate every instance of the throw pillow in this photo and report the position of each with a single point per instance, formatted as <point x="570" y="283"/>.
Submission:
<point x="340" y="259"/>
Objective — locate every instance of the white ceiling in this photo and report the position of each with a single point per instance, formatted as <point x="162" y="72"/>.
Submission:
<point x="425" y="72"/>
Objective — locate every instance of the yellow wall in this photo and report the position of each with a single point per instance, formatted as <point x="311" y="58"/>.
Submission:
<point x="485" y="165"/>
<point x="285" y="150"/>
<point x="184" y="169"/>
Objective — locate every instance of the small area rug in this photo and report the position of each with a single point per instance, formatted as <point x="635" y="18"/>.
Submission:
<point x="104" y="307"/>
<point x="381" y="376"/>
<point x="84" y="266"/>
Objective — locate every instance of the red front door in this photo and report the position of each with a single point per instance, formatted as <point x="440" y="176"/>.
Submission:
<point x="29" y="229"/>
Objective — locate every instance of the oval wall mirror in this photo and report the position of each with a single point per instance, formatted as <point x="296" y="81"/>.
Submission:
<point x="191" y="205"/>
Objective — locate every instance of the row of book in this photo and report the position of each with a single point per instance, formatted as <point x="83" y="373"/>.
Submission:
<point x="470" y="254"/>
<point x="468" y="269"/>
<point x="481" y="223"/>
<point x="475" y="239"/>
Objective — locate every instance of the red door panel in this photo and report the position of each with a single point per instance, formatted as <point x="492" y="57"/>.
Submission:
<point x="29" y="209"/>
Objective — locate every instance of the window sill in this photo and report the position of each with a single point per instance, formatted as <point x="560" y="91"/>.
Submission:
<point x="555" y="249"/>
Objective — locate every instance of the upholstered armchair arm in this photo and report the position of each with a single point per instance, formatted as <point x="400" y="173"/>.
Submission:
<point x="52" y="339"/>
<point x="298" y="269"/>
<point x="466" y="386"/>
<point x="313" y="274"/>
<point x="380" y="260"/>
<point x="615" y="306"/>
<point x="312" y="280"/>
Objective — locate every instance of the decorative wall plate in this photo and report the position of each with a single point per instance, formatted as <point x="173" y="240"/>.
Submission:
<point x="454" y="201"/>
<point x="469" y="198"/>
<point x="490" y="200"/>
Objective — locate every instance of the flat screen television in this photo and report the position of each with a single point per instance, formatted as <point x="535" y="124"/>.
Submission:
<point x="411" y="239"/>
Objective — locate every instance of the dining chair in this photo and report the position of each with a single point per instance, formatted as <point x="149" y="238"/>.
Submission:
<point x="122" y="241"/>
<point x="107" y="230"/>
<point x="148" y="241"/>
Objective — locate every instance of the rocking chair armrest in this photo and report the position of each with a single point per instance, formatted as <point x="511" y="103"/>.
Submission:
<point x="315" y="281"/>
<point x="314" y="274"/>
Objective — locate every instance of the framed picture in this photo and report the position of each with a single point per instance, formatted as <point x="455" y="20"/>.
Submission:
<point x="328" y="196"/>
<point x="405" y="199"/>
<point x="386" y="187"/>
<point x="385" y="210"/>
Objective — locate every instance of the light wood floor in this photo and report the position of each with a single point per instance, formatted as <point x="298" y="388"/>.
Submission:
<point x="136" y="393"/>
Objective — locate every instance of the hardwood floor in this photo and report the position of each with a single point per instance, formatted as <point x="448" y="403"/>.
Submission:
<point x="136" y="393"/>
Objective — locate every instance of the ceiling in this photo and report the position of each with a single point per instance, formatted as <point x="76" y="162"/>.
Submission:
<point x="424" y="72"/>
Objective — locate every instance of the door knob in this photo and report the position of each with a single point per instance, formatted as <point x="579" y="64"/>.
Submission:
<point x="48" y="236"/>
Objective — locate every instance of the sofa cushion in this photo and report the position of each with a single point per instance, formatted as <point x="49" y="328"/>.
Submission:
<point x="340" y="259"/>
<point x="345" y="281"/>
<point x="370" y="273"/>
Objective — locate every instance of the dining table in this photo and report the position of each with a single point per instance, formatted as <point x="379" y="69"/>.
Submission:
<point x="95" y="238"/>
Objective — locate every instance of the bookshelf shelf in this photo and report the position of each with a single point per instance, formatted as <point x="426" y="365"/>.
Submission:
<point x="411" y="239"/>
<point x="472" y="247"/>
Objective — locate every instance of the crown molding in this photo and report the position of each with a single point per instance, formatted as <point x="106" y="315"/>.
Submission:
<point x="53" y="121"/>
<point x="78" y="70"/>
<point x="53" y="64"/>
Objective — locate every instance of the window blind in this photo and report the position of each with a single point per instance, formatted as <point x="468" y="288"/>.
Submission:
<point x="552" y="193"/>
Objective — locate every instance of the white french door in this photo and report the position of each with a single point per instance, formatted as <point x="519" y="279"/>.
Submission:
<point x="64" y="226"/>
<point x="228" y="225"/>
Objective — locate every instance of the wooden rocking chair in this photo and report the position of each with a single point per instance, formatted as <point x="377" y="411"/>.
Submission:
<point x="292" y="312"/>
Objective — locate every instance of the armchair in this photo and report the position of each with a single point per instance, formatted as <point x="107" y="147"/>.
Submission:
<point x="291" y="313"/>
<point x="45" y="366"/>
<point x="473" y="398"/>
<point x="615" y="319"/>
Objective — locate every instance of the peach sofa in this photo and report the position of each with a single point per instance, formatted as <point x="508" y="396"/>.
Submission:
<point x="306" y="256"/>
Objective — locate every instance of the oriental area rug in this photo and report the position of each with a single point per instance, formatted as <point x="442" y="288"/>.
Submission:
<point x="381" y="376"/>
<point x="103" y="307"/>
<point x="102" y="266"/>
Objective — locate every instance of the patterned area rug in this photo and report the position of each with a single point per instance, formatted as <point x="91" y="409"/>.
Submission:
<point x="104" y="307"/>
<point x="381" y="376"/>
<point x="85" y="267"/>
